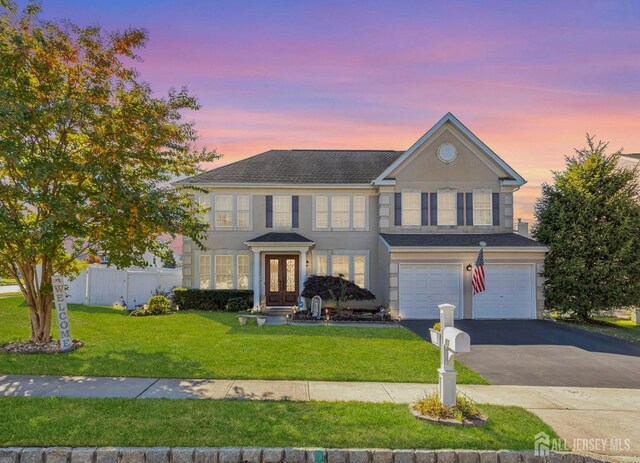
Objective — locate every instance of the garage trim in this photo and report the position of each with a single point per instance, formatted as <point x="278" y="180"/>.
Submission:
<point x="532" y="314"/>
<point x="459" y="314"/>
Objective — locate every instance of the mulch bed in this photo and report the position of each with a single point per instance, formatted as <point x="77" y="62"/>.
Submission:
<point x="474" y="421"/>
<point x="29" y="347"/>
<point x="358" y="317"/>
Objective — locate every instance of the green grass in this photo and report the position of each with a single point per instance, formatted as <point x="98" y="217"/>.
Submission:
<point x="153" y="422"/>
<point x="611" y="326"/>
<point x="213" y="345"/>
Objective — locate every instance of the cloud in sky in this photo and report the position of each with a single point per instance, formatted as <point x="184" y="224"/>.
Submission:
<point x="529" y="78"/>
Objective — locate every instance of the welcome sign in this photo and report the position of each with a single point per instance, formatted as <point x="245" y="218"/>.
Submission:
<point x="62" y="313"/>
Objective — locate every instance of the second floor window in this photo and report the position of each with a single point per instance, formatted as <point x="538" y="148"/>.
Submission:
<point x="482" y="207"/>
<point x="282" y="212"/>
<point x="447" y="204"/>
<point x="344" y="212"/>
<point x="340" y="212"/>
<point x="243" y="219"/>
<point x="224" y="211"/>
<point x="411" y="208"/>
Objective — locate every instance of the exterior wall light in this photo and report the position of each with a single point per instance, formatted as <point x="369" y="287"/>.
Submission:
<point x="469" y="267"/>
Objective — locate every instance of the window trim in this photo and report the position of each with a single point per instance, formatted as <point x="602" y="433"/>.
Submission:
<point x="489" y="192"/>
<point x="454" y="192"/>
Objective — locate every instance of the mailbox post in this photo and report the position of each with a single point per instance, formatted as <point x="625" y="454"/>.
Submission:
<point x="453" y="341"/>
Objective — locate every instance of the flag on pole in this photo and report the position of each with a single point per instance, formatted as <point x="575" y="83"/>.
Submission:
<point x="477" y="277"/>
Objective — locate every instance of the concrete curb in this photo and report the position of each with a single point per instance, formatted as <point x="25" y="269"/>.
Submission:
<point x="274" y="455"/>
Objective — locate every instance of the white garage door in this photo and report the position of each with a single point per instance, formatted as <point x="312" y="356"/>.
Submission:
<point x="424" y="286"/>
<point x="509" y="294"/>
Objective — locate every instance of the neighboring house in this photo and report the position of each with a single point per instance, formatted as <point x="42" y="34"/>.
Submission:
<point x="404" y="224"/>
<point x="629" y="160"/>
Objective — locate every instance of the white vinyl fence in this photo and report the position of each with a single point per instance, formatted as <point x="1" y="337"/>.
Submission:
<point x="106" y="285"/>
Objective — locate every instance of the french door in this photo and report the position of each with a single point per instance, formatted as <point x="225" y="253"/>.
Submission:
<point x="282" y="279"/>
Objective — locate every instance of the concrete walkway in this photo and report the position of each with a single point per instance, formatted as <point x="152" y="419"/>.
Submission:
<point x="9" y="289"/>
<point x="576" y="413"/>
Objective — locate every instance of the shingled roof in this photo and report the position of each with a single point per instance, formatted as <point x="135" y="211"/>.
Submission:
<point x="302" y="167"/>
<point x="459" y="240"/>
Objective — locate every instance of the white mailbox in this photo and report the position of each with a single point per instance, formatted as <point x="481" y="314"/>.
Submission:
<point x="456" y="340"/>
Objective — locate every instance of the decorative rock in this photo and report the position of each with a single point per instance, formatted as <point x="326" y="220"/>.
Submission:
<point x="206" y="455"/>
<point x="426" y="456"/>
<point x="251" y="454"/>
<point x="467" y="456"/>
<point x="32" y="455"/>
<point x="358" y="456"/>
<point x="270" y="455"/>
<point x="10" y="455"/>
<point x="82" y="454"/>
<point x="315" y="455"/>
<point x="182" y="455"/>
<point x="446" y="456"/>
<point x="107" y="455"/>
<point x="132" y="455"/>
<point x="336" y="456"/>
<point x="294" y="455"/>
<point x="403" y="456"/>
<point x="229" y="455"/>
<point x="381" y="456"/>
<point x="488" y="456"/>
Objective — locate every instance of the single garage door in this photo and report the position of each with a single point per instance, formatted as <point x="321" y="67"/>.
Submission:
<point x="425" y="286"/>
<point x="510" y="292"/>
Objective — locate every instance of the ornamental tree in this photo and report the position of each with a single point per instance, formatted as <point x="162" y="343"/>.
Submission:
<point x="590" y="220"/>
<point x="336" y="289"/>
<point x="86" y="154"/>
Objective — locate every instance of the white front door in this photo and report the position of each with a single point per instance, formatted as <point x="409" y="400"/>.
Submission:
<point x="422" y="287"/>
<point x="510" y="292"/>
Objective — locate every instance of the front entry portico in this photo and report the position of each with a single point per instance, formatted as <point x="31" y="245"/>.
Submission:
<point x="279" y="268"/>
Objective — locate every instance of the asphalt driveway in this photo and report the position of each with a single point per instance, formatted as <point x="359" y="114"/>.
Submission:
<point x="544" y="353"/>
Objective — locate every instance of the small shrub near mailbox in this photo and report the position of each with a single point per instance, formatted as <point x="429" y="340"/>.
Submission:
<point x="212" y="299"/>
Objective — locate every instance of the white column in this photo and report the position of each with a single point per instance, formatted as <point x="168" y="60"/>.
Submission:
<point x="303" y="270"/>
<point x="256" y="278"/>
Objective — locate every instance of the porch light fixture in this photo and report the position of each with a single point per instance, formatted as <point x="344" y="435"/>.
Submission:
<point x="469" y="267"/>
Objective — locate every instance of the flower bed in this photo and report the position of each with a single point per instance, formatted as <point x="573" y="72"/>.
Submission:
<point x="29" y="347"/>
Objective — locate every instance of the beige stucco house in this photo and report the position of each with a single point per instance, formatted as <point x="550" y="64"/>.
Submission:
<point x="405" y="224"/>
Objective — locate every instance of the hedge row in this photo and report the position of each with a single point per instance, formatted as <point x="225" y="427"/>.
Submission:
<point x="212" y="299"/>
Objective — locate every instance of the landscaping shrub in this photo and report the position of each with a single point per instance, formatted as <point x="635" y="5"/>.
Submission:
<point x="432" y="406"/>
<point x="237" y="304"/>
<point x="210" y="299"/>
<point x="336" y="289"/>
<point x="157" y="305"/>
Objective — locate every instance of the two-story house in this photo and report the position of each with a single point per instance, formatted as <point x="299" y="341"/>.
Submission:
<point x="407" y="225"/>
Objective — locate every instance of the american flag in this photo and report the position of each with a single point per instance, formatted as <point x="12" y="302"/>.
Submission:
<point x="477" y="277"/>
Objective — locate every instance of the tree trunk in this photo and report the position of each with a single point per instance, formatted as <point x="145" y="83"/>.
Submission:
<point x="39" y="296"/>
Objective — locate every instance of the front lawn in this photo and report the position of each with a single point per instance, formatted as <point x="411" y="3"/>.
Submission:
<point x="213" y="345"/>
<point x="157" y="422"/>
<point x="612" y="326"/>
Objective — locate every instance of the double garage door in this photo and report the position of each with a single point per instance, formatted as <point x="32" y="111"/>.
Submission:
<point x="510" y="291"/>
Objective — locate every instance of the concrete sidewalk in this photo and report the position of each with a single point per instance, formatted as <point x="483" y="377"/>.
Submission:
<point x="576" y="413"/>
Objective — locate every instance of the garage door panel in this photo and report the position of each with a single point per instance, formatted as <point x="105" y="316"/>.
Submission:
<point x="423" y="287"/>
<point x="508" y="293"/>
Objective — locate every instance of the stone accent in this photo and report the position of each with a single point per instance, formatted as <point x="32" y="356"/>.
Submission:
<point x="276" y="455"/>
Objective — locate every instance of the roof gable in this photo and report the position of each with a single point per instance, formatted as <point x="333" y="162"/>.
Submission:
<point x="515" y="178"/>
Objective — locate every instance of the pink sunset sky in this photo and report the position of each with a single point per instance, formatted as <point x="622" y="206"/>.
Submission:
<point x="528" y="78"/>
